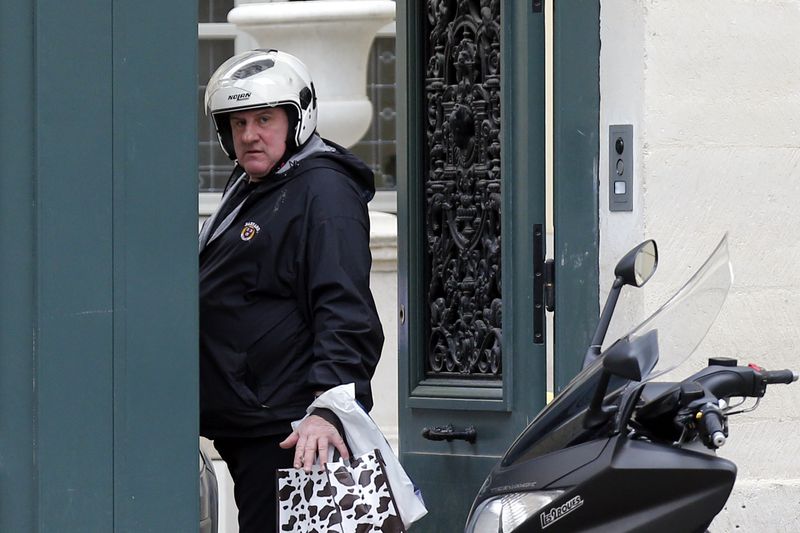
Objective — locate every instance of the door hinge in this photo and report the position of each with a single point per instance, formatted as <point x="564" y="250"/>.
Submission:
<point x="549" y="285"/>
<point x="543" y="284"/>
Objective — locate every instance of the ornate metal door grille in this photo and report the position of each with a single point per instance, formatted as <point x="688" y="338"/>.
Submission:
<point x="462" y="188"/>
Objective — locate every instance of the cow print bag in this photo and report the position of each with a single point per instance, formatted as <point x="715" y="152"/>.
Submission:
<point x="343" y="497"/>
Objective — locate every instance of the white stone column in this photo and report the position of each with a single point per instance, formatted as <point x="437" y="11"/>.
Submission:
<point x="383" y="282"/>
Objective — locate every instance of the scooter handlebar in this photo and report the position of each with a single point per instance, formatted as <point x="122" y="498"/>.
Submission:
<point x="779" y="376"/>
<point x="745" y="381"/>
<point x="724" y="382"/>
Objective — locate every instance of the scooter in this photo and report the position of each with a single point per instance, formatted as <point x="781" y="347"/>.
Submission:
<point x="617" y="451"/>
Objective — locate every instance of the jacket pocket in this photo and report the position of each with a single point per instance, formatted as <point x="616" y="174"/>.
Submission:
<point x="278" y="361"/>
<point x="229" y="366"/>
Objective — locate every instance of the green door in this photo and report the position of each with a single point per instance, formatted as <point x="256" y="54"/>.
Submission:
<point x="473" y="371"/>
<point x="98" y="292"/>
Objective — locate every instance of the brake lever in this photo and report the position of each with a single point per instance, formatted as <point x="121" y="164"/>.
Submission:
<point x="748" y="410"/>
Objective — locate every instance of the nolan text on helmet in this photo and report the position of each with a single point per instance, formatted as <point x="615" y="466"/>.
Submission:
<point x="239" y="97"/>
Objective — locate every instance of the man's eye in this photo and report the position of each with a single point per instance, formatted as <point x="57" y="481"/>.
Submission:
<point x="263" y="119"/>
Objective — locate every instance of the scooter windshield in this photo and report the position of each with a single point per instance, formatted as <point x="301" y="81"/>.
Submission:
<point x="682" y="323"/>
<point x="678" y="327"/>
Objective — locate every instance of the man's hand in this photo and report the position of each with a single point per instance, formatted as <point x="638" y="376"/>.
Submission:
<point x="313" y="436"/>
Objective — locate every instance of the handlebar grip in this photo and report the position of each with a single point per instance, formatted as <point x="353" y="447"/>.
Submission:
<point x="714" y="435"/>
<point x="779" y="376"/>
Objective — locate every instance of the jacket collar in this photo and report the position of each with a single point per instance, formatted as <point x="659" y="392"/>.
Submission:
<point x="312" y="148"/>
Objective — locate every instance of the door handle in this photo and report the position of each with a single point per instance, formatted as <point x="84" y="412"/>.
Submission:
<point x="449" y="433"/>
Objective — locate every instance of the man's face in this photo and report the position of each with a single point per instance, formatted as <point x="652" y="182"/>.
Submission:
<point x="259" y="138"/>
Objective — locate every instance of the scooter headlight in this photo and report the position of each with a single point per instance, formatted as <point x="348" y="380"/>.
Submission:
<point x="506" y="513"/>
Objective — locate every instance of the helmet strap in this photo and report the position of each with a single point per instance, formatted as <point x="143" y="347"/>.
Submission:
<point x="291" y="132"/>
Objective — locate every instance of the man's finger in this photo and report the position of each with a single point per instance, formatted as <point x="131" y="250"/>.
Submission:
<point x="289" y="441"/>
<point x="308" y="455"/>
<point x="322" y="448"/>
<point x="339" y="444"/>
<point x="299" y="452"/>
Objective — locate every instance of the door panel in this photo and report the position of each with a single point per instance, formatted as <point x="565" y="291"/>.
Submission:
<point x="472" y="151"/>
<point x="576" y="110"/>
<point x="98" y="372"/>
<point x="447" y="508"/>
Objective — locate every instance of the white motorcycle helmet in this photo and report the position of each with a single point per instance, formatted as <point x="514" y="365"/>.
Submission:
<point x="262" y="78"/>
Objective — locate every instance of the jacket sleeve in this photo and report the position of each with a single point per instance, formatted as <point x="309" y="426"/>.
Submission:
<point x="347" y="331"/>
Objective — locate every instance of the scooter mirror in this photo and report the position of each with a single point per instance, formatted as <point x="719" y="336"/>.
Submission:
<point x="628" y="359"/>
<point x="638" y="265"/>
<point x="620" y="360"/>
<point x="635" y="269"/>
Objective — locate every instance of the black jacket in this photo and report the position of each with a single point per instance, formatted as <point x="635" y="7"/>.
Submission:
<point x="285" y="304"/>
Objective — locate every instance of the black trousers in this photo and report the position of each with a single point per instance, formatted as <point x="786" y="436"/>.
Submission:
<point x="252" y="463"/>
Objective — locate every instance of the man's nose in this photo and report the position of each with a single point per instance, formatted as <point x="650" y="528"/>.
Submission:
<point x="249" y="132"/>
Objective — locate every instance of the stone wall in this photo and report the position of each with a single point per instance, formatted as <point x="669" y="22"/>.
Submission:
<point x="712" y="89"/>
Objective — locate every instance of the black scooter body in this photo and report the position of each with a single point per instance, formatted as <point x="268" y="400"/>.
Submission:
<point x="617" y="485"/>
<point x="617" y="452"/>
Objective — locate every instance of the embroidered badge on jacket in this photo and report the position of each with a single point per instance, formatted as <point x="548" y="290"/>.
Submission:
<point x="249" y="230"/>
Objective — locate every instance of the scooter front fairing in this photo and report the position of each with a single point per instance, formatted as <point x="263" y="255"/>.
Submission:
<point x="561" y="467"/>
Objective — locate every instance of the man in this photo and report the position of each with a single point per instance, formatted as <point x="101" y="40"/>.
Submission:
<point x="285" y="306"/>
